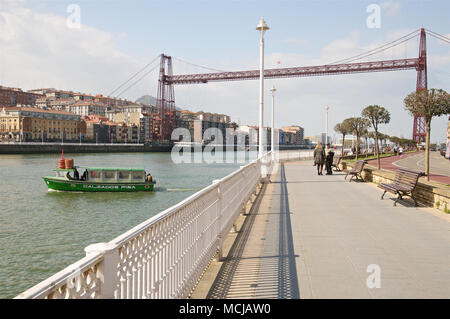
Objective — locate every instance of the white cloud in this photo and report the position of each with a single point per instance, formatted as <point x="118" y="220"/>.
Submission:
<point x="8" y="4"/>
<point x="39" y="50"/>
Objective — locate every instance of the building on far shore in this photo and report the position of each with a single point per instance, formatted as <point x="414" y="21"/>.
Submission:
<point x="85" y="108"/>
<point x="291" y="135"/>
<point x="197" y="123"/>
<point x="29" y="124"/>
<point x="101" y="130"/>
<point x="15" y="96"/>
<point x="319" y="138"/>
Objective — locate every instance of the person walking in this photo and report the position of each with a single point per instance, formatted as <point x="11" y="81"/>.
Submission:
<point x="319" y="157"/>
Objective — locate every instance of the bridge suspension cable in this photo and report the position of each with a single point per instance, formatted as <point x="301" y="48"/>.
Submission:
<point x="133" y="76"/>
<point x="138" y="80"/>
<point x="197" y="65"/>
<point x="379" y="49"/>
<point x="438" y="36"/>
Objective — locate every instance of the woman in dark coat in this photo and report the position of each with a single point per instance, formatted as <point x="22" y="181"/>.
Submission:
<point x="319" y="158"/>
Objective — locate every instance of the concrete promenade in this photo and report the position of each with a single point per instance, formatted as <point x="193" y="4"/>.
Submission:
<point x="311" y="236"/>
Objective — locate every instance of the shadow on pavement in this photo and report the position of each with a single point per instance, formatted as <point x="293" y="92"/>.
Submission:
<point x="271" y="275"/>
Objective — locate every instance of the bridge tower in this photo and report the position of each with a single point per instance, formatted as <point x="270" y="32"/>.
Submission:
<point x="419" y="127"/>
<point x="165" y="120"/>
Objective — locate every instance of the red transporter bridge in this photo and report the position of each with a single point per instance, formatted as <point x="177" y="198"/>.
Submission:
<point x="166" y="98"/>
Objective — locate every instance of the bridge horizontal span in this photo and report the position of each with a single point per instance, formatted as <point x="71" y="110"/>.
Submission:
<point x="361" y="67"/>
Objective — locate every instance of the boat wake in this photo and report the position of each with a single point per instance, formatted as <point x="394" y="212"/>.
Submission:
<point x="164" y="189"/>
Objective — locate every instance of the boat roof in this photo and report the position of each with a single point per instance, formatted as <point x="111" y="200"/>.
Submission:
<point x="100" y="169"/>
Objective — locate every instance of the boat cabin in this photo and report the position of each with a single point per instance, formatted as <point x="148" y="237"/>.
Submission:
<point x="107" y="175"/>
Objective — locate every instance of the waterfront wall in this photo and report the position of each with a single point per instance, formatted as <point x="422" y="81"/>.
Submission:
<point x="427" y="193"/>
<point x="39" y="148"/>
<point x="45" y="148"/>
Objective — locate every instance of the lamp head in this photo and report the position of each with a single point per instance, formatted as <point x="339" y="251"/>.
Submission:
<point x="262" y="26"/>
<point x="273" y="89"/>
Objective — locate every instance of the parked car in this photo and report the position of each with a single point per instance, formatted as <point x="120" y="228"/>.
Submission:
<point x="442" y="151"/>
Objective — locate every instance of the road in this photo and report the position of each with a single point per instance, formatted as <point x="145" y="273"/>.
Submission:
<point x="438" y="164"/>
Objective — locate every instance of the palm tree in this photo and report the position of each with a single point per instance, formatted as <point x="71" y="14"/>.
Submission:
<point x="343" y="129"/>
<point x="428" y="104"/>
<point x="376" y="115"/>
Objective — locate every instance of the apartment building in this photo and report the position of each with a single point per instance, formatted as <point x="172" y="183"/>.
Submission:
<point x="293" y="135"/>
<point x="35" y="124"/>
<point x="85" y="108"/>
<point x="15" y="96"/>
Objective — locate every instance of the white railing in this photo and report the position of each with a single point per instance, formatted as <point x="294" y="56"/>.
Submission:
<point x="165" y="256"/>
<point x="292" y="155"/>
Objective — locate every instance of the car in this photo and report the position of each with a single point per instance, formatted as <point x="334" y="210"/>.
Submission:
<point x="442" y="151"/>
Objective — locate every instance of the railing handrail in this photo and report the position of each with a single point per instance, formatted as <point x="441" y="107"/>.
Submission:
<point x="167" y="212"/>
<point x="62" y="277"/>
<point x="160" y="216"/>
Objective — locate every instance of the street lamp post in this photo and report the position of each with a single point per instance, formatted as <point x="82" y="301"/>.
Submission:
<point x="262" y="27"/>
<point x="272" y="139"/>
<point x="326" y="127"/>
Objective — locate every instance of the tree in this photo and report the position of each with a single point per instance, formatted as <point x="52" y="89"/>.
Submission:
<point x="366" y="137"/>
<point x="376" y="115"/>
<point x="343" y="129"/>
<point x="394" y="139"/>
<point x="428" y="103"/>
<point x="382" y="138"/>
<point x="358" y="126"/>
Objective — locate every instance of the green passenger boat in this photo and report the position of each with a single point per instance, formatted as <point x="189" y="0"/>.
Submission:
<point x="99" y="179"/>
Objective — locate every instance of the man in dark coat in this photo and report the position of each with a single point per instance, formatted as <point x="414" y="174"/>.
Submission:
<point x="76" y="175"/>
<point x="329" y="162"/>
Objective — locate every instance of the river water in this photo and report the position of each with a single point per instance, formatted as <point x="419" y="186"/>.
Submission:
<point x="42" y="232"/>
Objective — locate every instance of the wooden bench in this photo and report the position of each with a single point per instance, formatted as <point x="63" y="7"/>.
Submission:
<point x="336" y="162"/>
<point x="356" y="170"/>
<point x="405" y="181"/>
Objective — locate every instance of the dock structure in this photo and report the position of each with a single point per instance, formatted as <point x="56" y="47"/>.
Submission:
<point x="272" y="229"/>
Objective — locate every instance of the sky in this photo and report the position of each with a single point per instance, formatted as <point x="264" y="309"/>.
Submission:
<point x="94" y="46"/>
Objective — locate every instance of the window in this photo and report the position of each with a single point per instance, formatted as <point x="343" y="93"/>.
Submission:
<point x="61" y="173"/>
<point x="95" y="174"/>
<point x="109" y="174"/>
<point x="138" y="175"/>
<point x="124" y="175"/>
